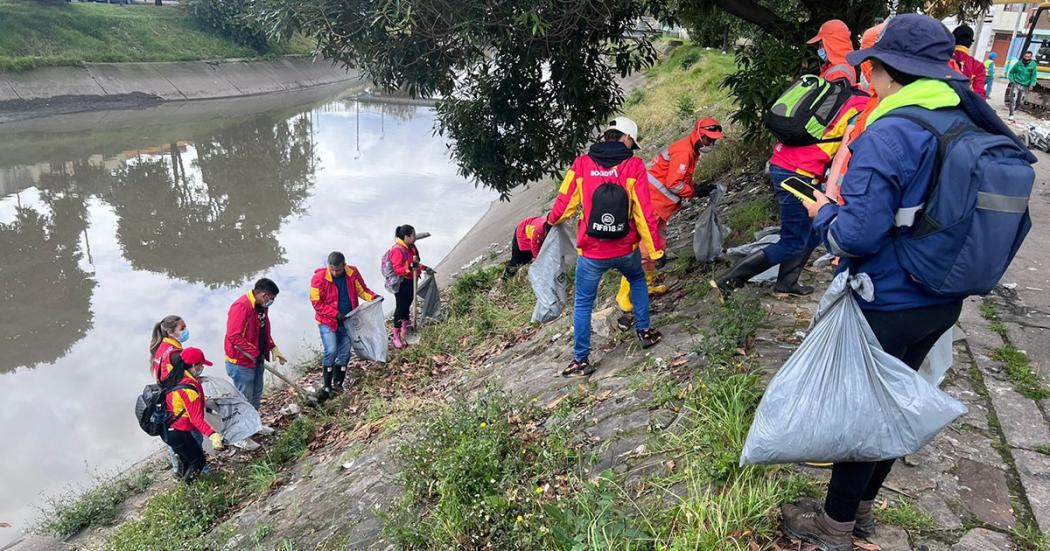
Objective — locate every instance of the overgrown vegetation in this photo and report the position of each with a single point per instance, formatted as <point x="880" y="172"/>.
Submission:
<point x="1020" y="372"/>
<point x="1028" y="536"/>
<point x="229" y="18"/>
<point x="99" y="506"/>
<point x="183" y="514"/>
<point x="36" y="35"/>
<point x="904" y="513"/>
<point x="750" y="217"/>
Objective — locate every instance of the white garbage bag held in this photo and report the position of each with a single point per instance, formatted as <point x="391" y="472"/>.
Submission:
<point x="709" y="233"/>
<point x="227" y="411"/>
<point x="547" y="274"/>
<point x="367" y="328"/>
<point x="840" y="397"/>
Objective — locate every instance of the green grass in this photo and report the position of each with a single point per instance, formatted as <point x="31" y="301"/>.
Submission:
<point x="1028" y="537"/>
<point x="99" y="506"/>
<point x="34" y="34"/>
<point x="749" y="217"/>
<point x="907" y="515"/>
<point x="180" y="516"/>
<point x="1020" y="372"/>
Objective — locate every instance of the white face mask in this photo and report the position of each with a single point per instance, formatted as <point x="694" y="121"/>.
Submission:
<point x="705" y="149"/>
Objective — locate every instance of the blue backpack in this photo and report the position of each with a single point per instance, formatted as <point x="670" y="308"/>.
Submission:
<point x="961" y="239"/>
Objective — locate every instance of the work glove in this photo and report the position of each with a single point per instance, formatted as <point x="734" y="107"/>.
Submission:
<point x="216" y="441"/>
<point x="430" y="271"/>
<point x="276" y="353"/>
<point x="546" y="226"/>
<point x="342" y="317"/>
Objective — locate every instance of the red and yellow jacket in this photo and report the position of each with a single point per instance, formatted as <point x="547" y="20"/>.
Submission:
<point x="576" y="191"/>
<point x="162" y="359"/>
<point x="970" y="68"/>
<point x="530" y="234"/>
<point x="813" y="160"/>
<point x="324" y="294"/>
<point x="671" y="176"/>
<point x="402" y="256"/>
<point x="187" y="406"/>
<point x="242" y="332"/>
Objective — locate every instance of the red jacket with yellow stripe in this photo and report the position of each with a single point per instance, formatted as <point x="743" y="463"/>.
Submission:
<point x="242" y="332"/>
<point x="324" y="294"/>
<point x="576" y="191"/>
<point x="187" y="406"/>
<point x="162" y="358"/>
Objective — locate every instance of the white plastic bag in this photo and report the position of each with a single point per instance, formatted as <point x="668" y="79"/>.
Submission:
<point x="841" y="397"/>
<point x="367" y="328"/>
<point x="547" y="274"/>
<point x="939" y="360"/>
<point x="709" y="233"/>
<point x="227" y="411"/>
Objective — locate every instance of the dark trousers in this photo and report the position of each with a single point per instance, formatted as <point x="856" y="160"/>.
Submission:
<point x="796" y="228"/>
<point x="190" y="452"/>
<point x="518" y="258"/>
<point x="403" y="301"/>
<point x="908" y="335"/>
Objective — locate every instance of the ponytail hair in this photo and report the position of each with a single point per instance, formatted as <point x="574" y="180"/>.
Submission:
<point x="404" y="231"/>
<point x="161" y="330"/>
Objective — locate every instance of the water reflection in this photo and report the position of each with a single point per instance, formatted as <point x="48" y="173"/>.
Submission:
<point x="104" y="231"/>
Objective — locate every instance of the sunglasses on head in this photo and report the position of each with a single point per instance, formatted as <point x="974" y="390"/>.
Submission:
<point x="713" y="128"/>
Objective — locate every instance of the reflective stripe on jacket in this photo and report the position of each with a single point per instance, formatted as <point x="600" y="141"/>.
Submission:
<point x="324" y="294"/>
<point x="671" y="176"/>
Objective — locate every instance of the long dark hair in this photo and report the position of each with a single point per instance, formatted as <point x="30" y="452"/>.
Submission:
<point x="161" y="330"/>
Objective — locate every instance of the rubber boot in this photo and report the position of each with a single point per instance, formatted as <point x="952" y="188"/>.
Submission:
<point x="737" y="276"/>
<point x="787" y="279"/>
<point x="404" y="334"/>
<point x="654" y="290"/>
<point x="326" y="390"/>
<point x="864" y="526"/>
<point x="338" y="376"/>
<point x="818" y="528"/>
<point x="395" y="334"/>
<point x="623" y="296"/>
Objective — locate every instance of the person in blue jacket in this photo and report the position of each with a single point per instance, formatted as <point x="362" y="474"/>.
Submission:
<point x="891" y="169"/>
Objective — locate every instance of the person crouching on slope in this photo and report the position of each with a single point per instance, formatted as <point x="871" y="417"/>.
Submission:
<point x="186" y="405"/>
<point x="670" y="186"/>
<point x="608" y="185"/>
<point x="526" y="244"/>
<point x="335" y="292"/>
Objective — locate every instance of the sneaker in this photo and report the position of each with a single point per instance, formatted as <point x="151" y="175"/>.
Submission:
<point x="578" y="368"/>
<point x="649" y="337"/>
<point x="625" y="322"/>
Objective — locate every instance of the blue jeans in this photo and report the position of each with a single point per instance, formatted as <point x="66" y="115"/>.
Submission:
<point x="796" y="228"/>
<point x="175" y="458"/>
<point x="248" y="380"/>
<point x="588" y="274"/>
<point x="335" y="345"/>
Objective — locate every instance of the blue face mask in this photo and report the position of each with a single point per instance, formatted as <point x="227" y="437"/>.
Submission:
<point x="268" y="303"/>
<point x="822" y="53"/>
<point x="184" y="336"/>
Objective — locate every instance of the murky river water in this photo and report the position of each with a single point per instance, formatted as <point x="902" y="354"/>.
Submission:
<point x="107" y="228"/>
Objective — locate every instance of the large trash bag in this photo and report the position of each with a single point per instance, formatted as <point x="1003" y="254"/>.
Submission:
<point x="227" y="411"/>
<point x="367" y="328"/>
<point x="429" y="298"/>
<point x="547" y="274"/>
<point x="841" y="397"/>
<point x="939" y="360"/>
<point x="762" y="240"/>
<point x="709" y="233"/>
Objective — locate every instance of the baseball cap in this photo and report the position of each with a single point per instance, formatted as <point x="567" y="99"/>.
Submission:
<point x="829" y="27"/>
<point x="194" y="356"/>
<point x="627" y="126"/>
<point x="709" y="127"/>
<point x="914" y="44"/>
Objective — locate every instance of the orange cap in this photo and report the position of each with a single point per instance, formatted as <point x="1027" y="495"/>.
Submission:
<point x="709" y="127"/>
<point x="871" y="35"/>
<point x="830" y="27"/>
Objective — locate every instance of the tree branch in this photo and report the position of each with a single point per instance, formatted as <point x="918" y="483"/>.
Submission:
<point x="752" y="12"/>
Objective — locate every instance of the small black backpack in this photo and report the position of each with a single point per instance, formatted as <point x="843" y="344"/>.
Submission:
<point x="610" y="212"/>
<point x="154" y="418"/>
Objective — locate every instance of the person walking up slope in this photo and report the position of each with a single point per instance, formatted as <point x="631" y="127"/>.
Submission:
<point x="334" y="293"/>
<point x="608" y="185"/>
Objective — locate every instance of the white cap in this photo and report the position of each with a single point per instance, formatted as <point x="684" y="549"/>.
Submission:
<point x="627" y="126"/>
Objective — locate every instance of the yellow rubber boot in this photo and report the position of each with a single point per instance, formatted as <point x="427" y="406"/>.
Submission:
<point x="623" y="296"/>
<point x="654" y="290"/>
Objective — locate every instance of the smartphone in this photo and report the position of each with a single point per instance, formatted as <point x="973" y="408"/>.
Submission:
<point x="800" y="188"/>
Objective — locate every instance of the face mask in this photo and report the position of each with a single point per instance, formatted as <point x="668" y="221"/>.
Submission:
<point x="268" y="303"/>
<point x="822" y="53"/>
<point x="184" y="336"/>
<point x="706" y="148"/>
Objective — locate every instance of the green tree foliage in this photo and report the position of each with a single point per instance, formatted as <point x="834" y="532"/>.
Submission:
<point x="230" y="19"/>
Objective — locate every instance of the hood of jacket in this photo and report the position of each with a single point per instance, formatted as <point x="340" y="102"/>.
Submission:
<point x="609" y="154"/>
<point x="837" y="43"/>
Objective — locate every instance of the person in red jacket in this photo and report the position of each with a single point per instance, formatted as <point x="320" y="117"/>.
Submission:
<point x="248" y="340"/>
<point x="404" y="260"/>
<point x="335" y="292"/>
<point x="964" y="63"/>
<point x="670" y="186"/>
<point x="608" y="185"/>
<point x="186" y="405"/>
<point x="165" y="345"/>
<point x="526" y="244"/>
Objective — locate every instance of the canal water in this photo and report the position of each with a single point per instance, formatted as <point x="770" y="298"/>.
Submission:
<point x="108" y="225"/>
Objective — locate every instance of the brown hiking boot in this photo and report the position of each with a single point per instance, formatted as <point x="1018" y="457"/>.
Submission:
<point x="864" y="525"/>
<point x="818" y="528"/>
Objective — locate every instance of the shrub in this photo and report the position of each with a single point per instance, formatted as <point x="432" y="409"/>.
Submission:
<point x="230" y="19"/>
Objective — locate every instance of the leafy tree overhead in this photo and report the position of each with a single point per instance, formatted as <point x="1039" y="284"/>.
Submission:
<point x="524" y="84"/>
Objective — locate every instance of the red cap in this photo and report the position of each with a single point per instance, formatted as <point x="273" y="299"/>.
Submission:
<point x="194" y="356"/>
<point x="709" y="127"/>
<point x="831" y="26"/>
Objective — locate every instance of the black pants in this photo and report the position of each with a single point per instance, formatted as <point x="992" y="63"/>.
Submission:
<point x="403" y="299"/>
<point x="191" y="455"/>
<point x="908" y="335"/>
<point x="518" y="258"/>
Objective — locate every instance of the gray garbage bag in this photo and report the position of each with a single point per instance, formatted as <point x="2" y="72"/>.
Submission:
<point x="227" y="411"/>
<point x="939" y="360"/>
<point x="709" y="233"/>
<point x="840" y="397"/>
<point x="429" y="298"/>
<point x="764" y="238"/>
<point x="367" y="328"/>
<point x="547" y="274"/>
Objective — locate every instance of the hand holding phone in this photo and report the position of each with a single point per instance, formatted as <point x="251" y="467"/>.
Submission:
<point x="803" y="190"/>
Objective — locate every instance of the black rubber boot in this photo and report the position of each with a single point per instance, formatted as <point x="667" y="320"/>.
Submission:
<point x="326" y="391"/>
<point x="338" y="376"/>
<point x="737" y="276"/>
<point x="787" y="278"/>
